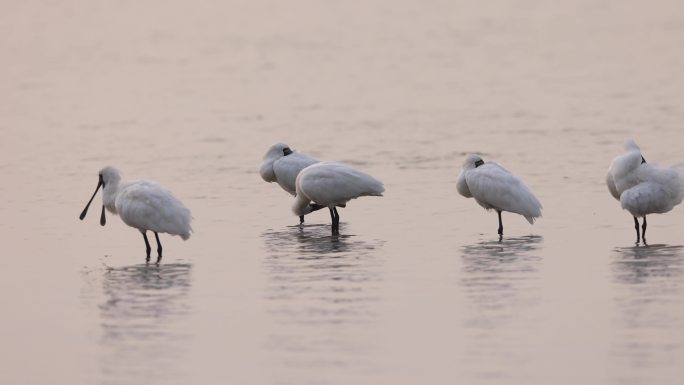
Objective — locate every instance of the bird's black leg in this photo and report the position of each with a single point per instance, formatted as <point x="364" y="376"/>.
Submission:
<point x="636" y="227"/>
<point x="315" y="207"/>
<point x="500" y="226"/>
<point x="148" y="249"/>
<point x="335" y="221"/>
<point x="159" y="247"/>
<point x="643" y="232"/>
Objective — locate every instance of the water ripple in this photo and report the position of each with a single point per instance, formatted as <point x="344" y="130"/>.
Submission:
<point x="500" y="277"/>
<point x="501" y="283"/>
<point x="142" y="337"/>
<point x="321" y="288"/>
<point x="649" y="296"/>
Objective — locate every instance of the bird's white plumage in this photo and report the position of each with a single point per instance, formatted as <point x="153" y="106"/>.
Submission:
<point x="643" y="188"/>
<point x="610" y="182"/>
<point x="145" y="205"/>
<point x="332" y="184"/>
<point x="283" y="169"/>
<point x="494" y="187"/>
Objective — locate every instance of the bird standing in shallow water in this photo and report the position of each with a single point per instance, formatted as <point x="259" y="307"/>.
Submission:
<point x="143" y="205"/>
<point x="282" y="165"/>
<point x="332" y="185"/>
<point x="643" y="188"/>
<point x="494" y="187"/>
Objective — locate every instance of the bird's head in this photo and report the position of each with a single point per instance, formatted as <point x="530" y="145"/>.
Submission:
<point x="472" y="161"/>
<point x="630" y="145"/>
<point x="109" y="176"/>
<point x="278" y="150"/>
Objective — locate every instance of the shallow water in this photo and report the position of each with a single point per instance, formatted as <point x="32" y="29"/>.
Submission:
<point x="416" y="289"/>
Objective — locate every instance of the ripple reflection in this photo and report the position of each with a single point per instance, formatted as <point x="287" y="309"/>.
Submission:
<point x="501" y="280"/>
<point x="141" y="338"/>
<point x="321" y="294"/>
<point x="649" y="295"/>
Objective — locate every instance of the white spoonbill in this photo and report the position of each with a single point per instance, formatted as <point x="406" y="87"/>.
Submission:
<point x="332" y="185"/>
<point x="494" y="187"/>
<point x="643" y="188"/>
<point x="143" y="205"/>
<point x="282" y="165"/>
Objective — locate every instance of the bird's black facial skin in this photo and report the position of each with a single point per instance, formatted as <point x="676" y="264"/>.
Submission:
<point x="643" y="160"/>
<point x="479" y="163"/>
<point x="287" y="151"/>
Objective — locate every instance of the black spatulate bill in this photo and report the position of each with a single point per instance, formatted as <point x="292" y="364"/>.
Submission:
<point x="103" y="220"/>
<point x="85" y="210"/>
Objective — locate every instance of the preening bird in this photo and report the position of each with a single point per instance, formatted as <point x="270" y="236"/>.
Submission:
<point x="495" y="188"/>
<point x="143" y="205"/>
<point x="282" y="165"/>
<point x="332" y="185"/>
<point x="643" y="188"/>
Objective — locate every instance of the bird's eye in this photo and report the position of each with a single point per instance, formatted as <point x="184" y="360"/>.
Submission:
<point x="479" y="163"/>
<point x="287" y="151"/>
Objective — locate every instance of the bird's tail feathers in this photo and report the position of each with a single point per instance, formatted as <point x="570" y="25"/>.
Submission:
<point x="532" y="219"/>
<point x="185" y="235"/>
<point x="679" y="168"/>
<point x="530" y="208"/>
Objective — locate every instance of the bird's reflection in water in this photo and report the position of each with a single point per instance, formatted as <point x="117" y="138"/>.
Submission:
<point x="500" y="278"/>
<point x="141" y="323"/>
<point x="501" y="282"/>
<point x="321" y="293"/>
<point x="648" y="289"/>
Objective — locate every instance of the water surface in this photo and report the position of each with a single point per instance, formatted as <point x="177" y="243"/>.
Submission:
<point x="416" y="289"/>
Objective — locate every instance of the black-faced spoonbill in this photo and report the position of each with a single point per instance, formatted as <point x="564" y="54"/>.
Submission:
<point x="282" y="165"/>
<point x="495" y="188"/>
<point x="332" y="185"/>
<point x="143" y="205"/>
<point x="643" y="188"/>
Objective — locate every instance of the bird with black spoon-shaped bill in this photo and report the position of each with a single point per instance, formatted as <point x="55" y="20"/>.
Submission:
<point x="282" y="165"/>
<point x="495" y="188"/>
<point x="643" y="188"/>
<point x="143" y="205"/>
<point x="332" y="185"/>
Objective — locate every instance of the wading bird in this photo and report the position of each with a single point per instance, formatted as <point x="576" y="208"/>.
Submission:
<point x="282" y="165"/>
<point x="143" y="205"/>
<point x="495" y="188"/>
<point x="643" y="188"/>
<point x="332" y="185"/>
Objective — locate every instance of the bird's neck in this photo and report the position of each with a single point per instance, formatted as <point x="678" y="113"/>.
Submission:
<point x="301" y="205"/>
<point x="109" y="194"/>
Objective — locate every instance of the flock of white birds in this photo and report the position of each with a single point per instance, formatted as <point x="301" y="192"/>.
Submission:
<point x="641" y="188"/>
